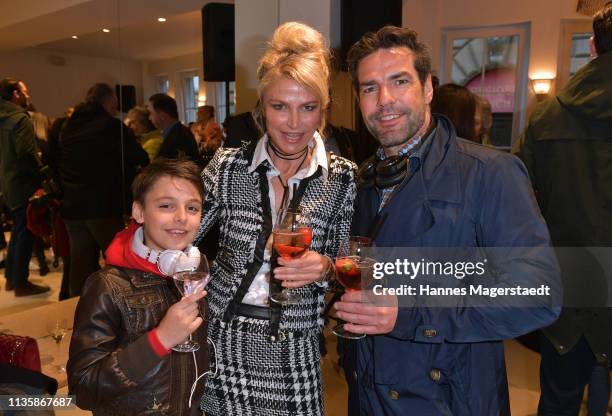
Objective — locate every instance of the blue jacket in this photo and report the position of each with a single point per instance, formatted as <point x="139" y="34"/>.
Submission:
<point x="450" y="361"/>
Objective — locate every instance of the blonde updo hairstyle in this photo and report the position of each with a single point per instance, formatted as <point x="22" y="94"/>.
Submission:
<point x="300" y="53"/>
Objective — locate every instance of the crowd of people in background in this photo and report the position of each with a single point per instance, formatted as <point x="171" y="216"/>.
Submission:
<point x="92" y="199"/>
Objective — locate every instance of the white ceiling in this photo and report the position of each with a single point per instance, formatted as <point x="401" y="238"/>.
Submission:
<point x="135" y="32"/>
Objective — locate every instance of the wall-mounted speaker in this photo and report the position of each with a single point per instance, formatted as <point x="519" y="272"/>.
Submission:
<point x="218" y="42"/>
<point x="126" y="94"/>
<point x="361" y="16"/>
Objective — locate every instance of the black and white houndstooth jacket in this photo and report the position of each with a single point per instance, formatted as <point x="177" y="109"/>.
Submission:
<point x="233" y="198"/>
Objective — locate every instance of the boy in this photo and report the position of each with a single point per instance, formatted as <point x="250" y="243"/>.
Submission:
<point x="130" y="315"/>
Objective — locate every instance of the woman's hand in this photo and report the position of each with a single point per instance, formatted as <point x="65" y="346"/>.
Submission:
<point x="303" y="270"/>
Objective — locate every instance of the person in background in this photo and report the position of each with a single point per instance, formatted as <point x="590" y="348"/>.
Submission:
<point x="177" y="139"/>
<point x="98" y="158"/>
<point x="346" y="142"/>
<point x="19" y="179"/>
<point x="458" y="104"/>
<point x="149" y="137"/>
<point x="41" y="125"/>
<point x="567" y="150"/>
<point x="130" y="315"/>
<point x="483" y="120"/>
<point x="262" y="345"/>
<point x="240" y="128"/>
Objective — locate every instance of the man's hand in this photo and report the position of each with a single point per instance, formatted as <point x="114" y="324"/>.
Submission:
<point x="363" y="316"/>
<point x="180" y="321"/>
<point x="301" y="271"/>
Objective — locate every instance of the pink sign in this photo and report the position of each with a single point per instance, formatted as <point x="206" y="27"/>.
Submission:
<point x="497" y="86"/>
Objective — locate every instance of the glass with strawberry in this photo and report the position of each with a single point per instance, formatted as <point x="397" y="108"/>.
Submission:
<point x="291" y="238"/>
<point x="354" y="272"/>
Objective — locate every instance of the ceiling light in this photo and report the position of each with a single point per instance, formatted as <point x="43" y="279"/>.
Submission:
<point x="105" y="30"/>
<point x="161" y="19"/>
<point x="75" y="37"/>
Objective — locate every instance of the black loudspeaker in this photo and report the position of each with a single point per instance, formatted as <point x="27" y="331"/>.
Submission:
<point x="126" y="94"/>
<point x="218" y="42"/>
<point x="362" y="16"/>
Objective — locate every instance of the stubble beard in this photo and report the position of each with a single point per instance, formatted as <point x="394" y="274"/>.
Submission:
<point x="413" y="123"/>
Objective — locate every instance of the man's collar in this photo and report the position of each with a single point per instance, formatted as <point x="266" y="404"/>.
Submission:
<point x="414" y="144"/>
<point x="319" y="156"/>
<point x="166" y="131"/>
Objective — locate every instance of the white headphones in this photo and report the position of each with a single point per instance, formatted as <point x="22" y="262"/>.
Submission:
<point x="168" y="261"/>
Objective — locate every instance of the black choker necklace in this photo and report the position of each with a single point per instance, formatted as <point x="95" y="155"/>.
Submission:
<point x="286" y="156"/>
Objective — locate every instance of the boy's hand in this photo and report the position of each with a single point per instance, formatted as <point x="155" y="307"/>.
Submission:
<point x="180" y="321"/>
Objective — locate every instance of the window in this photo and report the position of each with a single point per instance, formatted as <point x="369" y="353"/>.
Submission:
<point x="191" y="89"/>
<point x="219" y="94"/>
<point x="492" y="63"/>
<point x="162" y="84"/>
<point x="223" y="90"/>
<point x="574" y="51"/>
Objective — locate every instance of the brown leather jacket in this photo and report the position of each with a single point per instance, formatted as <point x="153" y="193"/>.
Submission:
<point x="112" y="368"/>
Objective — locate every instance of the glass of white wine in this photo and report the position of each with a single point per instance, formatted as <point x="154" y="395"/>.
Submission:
<point x="58" y="332"/>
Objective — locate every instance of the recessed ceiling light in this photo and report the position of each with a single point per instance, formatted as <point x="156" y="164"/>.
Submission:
<point x="161" y="19"/>
<point x="105" y="30"/>
<point x="75" y="37"/>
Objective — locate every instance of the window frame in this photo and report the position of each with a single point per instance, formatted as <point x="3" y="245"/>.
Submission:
<point x="523" y="31"/>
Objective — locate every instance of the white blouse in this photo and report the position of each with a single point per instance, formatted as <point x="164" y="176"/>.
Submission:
<point x="260" y="287"/>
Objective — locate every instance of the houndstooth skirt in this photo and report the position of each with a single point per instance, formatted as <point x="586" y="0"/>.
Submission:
<point x="256" y="377"/>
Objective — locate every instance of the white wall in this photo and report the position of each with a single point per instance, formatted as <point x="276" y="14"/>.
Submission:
<point x="57" y="81"/>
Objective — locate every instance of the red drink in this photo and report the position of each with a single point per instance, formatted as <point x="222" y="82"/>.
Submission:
<point x="353" y="271"/>
<point x="290" y="245"/>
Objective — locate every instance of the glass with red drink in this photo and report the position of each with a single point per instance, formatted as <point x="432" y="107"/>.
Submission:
<point x="354" y="272"/>
<point x="291" y="238"/>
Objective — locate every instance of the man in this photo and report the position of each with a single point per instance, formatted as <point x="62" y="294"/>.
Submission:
<point x="19" y="178"/>
<point x="98" y="159"/>
<point x="567" y="148"/>
<point x="453" y="193"/>
<point x="178" y="139"/>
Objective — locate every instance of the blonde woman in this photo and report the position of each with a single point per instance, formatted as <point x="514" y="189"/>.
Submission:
<point x="268" y="354"/>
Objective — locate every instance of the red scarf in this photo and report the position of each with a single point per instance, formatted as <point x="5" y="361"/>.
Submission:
<point x="119" y="253"/>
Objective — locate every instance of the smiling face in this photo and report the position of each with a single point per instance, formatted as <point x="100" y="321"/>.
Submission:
<point x="292" y="113"/>
<point x="394" y="103"/>
<point x="170" y="215"/>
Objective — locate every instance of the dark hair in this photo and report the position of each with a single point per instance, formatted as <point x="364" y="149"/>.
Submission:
<point x="174" y="168"/>
<point x="99" y="93"/>
<point x="164" y="103"/>
<point x="459" y="105"/>
<point x="7" y="87"/>
<point x="602" y="29"/>
<point x="386" y="38"/>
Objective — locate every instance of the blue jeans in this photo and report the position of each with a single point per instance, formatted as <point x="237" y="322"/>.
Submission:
<point x="19" y="250"/>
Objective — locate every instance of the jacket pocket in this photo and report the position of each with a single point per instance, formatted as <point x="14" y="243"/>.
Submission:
<point x="145" y="310"/>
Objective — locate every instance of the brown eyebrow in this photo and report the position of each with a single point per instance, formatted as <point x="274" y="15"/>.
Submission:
<point x="400" y="75"/>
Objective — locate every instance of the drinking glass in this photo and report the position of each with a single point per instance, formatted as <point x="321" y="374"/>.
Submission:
<point x="291" y="238"/>
<point x="58" y="332"/>
<point x="353" y="271"/>
<point x="190" y="282"/>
